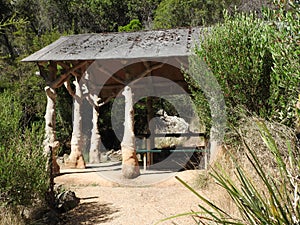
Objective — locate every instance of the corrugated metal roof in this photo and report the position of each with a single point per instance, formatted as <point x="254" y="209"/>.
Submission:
<point x="145" y="44"/>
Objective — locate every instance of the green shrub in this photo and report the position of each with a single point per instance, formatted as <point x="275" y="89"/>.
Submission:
<point x="134" y="25"/>
<point x="285" y="49"/>
<point x="23" y="177"/>
<point x="256" y="63"/>
<point x="237" y="53"/>
<point x="10" y="115"/>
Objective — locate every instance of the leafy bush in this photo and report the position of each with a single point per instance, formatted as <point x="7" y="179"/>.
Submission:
<point x="285" y="49"/>
<point x="256" y="62"/>
<point x="134" y="25"/>
<point x="10" y="114"/>
<point x="238" y="55"/>
<point x="23" y="177"/>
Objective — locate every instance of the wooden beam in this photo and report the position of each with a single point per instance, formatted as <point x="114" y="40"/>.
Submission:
<point x="161" y="84"/>
<point x="147" y="71"/>
<point x="111" y="75"/>
<point x="70" y="70"/>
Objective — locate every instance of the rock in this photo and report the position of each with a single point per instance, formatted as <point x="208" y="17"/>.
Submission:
<point x="66" y="201"/>
<point x="111" y="155"/>
<point x="114" y="156"/>
<point x="169" y="124"/>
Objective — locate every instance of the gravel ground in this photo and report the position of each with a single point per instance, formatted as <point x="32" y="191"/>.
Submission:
<point x="152" y="197"/>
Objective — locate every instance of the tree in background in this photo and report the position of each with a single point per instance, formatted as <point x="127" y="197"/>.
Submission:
<point x="134" y="25"/>
<point x="143" y="11"/>
<point x="181" y="13"/>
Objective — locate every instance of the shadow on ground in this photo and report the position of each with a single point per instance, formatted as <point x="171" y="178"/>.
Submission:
<point x="89" y="213"/>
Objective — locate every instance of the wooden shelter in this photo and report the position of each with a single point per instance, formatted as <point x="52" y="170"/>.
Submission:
<point x="101" y="66"/>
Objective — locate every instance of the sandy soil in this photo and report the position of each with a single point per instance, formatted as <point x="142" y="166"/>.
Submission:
<point x="105" y="200"/>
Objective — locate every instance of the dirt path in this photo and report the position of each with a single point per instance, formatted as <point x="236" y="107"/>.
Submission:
<point x="106" y="202"/>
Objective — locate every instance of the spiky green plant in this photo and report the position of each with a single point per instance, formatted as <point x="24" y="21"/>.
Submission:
<point x="274" y="200"/>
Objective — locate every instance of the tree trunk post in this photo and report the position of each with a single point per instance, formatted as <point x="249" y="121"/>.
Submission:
<point x="94" y="155"/>
<point x="75" y="159"/>
<point x="130" y="166"/>
<point x="50" y="143"/>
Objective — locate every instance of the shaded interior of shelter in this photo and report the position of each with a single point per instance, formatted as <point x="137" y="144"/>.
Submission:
<point x="111" y="76"/>
<point x="155" y="78"/>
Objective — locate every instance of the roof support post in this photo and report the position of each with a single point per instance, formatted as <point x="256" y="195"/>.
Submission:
<point x="50" y="143"/>
<point x="94" y="154"/>
<point x="130" y="166"/>
<point x="75" y="159"/>
<point x="90" y="93"/>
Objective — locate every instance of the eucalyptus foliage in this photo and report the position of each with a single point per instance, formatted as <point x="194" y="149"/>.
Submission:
<point x="256" y="62"/>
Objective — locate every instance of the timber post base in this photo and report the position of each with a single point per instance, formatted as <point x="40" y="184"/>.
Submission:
<point x="130" y="165"/>
<point x="75" y="162"/>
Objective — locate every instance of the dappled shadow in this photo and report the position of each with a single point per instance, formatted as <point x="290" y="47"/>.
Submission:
<point x="89" y="213"/>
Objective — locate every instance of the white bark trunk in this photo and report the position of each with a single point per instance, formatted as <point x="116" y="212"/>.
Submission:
<point x="90" y="92"/>
<point x="130" y="166"/>
<point x="76" y="159"/>
<point x="50" y="134"/>
<point x="95" y="139"/>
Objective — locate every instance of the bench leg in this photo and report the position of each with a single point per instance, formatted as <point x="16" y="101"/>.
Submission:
<point x="148" y="158"/>
<point x="145" y="161"/>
